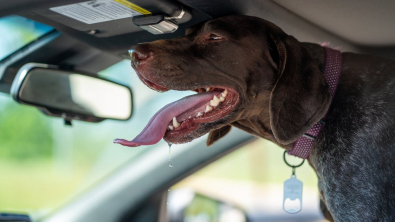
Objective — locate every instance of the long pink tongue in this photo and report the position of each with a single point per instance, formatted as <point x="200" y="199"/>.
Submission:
<point x="156" y="127"/>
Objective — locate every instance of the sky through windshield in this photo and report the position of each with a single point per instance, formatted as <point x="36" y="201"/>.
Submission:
<point x="16" y="32"/>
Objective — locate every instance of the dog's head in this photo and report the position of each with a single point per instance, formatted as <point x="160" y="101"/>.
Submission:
<point x="264" y="81"/>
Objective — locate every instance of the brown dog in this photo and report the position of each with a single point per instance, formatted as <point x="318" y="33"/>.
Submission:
<point x="267" y="83"/>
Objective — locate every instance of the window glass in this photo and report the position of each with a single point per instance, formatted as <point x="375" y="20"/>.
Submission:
<point x="248" y="180"/>
<point x="16" y="32"/>
<point x="44" y="163"/>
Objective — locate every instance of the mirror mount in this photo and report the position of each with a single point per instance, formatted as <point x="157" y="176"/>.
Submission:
<point x="69" y="116"/>
<point x="67" y="122"/>
<point x="70" y="94"/>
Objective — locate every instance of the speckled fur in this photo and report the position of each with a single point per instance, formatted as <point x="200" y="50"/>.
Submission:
<point x="354" y="155"/>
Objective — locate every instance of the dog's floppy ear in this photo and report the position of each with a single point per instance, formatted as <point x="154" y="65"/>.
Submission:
<point x="300" y="97"/>
<point x="192" y="29"/>
<point x="218" y="134"/>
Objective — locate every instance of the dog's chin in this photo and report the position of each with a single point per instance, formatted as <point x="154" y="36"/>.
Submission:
<point x="186" y="135"/>
<point x="193" y="132"/>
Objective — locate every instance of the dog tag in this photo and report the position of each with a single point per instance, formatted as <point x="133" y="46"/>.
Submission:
<point x="292" y="202"/>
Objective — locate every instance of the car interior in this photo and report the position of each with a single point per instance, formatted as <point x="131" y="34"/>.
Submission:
<point x="67" y="89"/>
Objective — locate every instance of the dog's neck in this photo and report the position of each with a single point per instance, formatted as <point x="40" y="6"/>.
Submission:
<point x="318" y="53"/>
<point x="259" y="125"/>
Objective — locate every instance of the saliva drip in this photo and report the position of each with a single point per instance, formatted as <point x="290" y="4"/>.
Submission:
<point x="168" y="195"/>
<point x="170" y="163"/>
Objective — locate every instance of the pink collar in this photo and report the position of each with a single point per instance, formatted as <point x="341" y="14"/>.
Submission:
<point x="332" y="70"/>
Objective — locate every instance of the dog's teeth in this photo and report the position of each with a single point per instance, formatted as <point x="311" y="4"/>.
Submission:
<point x="216" y="99"/>
<point x="224" y="93"/>
<point x="221" y="99"/>
<point x="171" y="127"/>
<point x="199" y="114"/>
<point x="208" y="89"/>
<point x="175" y="123"/>
<point x="208" y="108"/>
<point x="214" y="102"/>
<point x="189" y="117"/>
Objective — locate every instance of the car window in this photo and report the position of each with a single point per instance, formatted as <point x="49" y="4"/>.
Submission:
<point x="251" y="179"/>
<point x="16" y="32"/>
<point x="44" y="163"/>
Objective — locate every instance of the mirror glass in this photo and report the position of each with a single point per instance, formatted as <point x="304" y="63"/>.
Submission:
<point x="76" y="93"/>
<point x="187" y="206"/>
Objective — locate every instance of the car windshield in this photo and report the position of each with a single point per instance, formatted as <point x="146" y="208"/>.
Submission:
<point x="44" y="162"/>
<point x="16" y="32"/>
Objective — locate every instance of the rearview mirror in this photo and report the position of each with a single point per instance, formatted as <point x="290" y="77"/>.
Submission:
<point x="187" y="205"/>
<point x="71" y="94"/>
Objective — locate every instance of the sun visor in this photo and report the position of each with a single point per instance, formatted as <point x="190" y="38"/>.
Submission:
<point x="106" y="18"/>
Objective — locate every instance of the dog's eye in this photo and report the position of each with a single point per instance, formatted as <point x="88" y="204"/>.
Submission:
<point x="214" y="37"/>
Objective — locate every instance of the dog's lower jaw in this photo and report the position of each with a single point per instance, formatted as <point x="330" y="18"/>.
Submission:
<point x="183" y="139"/>
<point x="259" y="130"/>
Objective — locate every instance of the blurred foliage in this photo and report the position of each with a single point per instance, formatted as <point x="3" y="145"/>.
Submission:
<point x="39" y="153"/>
<point x="25" y="133"/>
<point x="36" y="185"/>
<point x="42" y="162"/>
<point x="202" y="207"/>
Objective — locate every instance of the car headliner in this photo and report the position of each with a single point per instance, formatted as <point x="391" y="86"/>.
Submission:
<point x="356" y="26"/>
<point x="362" y="23"/>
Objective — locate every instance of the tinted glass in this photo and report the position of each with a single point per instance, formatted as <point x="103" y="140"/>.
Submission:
<point x="44" y="163"/>
<point x="16" y="32"/>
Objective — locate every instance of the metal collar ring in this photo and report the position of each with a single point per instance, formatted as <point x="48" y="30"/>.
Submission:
<point x="293" y="166"/>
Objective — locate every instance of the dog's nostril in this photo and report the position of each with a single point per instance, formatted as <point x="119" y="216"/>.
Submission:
<point x="137" y="57"/>
<point x="140" y="53"/>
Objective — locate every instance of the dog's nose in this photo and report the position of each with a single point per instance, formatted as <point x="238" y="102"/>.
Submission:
<point x="139" y="54"/>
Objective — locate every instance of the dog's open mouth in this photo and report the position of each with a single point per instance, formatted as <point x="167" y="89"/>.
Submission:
<point x="214" y="104"/>
<point x="180" y="118"/>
